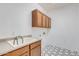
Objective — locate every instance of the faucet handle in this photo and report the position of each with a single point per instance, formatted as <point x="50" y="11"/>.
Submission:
<point x="21" y="37"/>
<point x="17" y="37"/>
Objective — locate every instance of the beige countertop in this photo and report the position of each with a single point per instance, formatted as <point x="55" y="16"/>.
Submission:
<point x="8" y="46"/>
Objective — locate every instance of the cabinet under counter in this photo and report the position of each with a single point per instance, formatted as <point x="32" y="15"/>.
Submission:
<point x="27" y="50"/>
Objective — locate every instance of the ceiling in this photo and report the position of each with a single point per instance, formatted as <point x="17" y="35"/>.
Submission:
<point x="52" y="6"/>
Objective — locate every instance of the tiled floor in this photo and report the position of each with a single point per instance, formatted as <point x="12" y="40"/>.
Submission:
<point x="51" y="50"/>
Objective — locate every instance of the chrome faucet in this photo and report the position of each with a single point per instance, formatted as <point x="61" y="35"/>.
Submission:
<point x="16" y="39"/>
<point x="22" y="38"/>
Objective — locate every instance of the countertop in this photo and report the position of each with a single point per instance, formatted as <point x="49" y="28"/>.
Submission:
<point x="8" y="46"/>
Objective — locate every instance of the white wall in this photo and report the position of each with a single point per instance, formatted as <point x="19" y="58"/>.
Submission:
<point x="36" y="32"/>
<point x="65" y="27"/>
<point x="15" y="19"/>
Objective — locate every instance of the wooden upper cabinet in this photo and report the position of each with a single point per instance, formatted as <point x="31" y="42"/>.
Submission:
<point x="44" y="21"/>
<point x="36" y="19"/>
<point x="39" y="19"/>
<point x="49" y="22"/>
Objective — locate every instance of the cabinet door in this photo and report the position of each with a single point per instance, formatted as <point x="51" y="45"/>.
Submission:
<point x="46" y="22"/>
<point x="18" y="52"/>
<point x="36" y="51"/>
<point x="34" y="18"/>
<point x="44" y="19"/>
<point x="25" y="54"/>
<point x="39" y="19"/>
<point x="49" y="23"/>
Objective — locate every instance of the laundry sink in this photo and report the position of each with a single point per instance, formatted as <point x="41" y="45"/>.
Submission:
<point x="20" y="42"/>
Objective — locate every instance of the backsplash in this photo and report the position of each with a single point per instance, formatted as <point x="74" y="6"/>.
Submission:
<point x="12" y="37"/>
